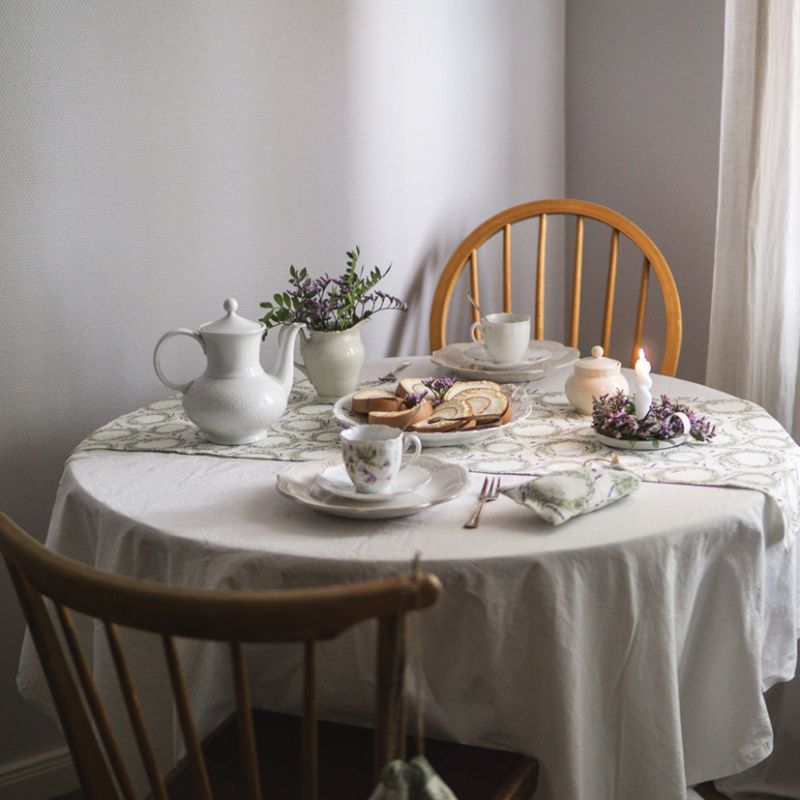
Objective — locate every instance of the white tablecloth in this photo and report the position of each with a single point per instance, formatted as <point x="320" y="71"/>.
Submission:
<point x="628" y="649"/>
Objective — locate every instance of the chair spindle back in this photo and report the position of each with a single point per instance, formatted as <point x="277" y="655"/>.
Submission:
<point x="233" y="617"/>
<point x="467" y="251"/>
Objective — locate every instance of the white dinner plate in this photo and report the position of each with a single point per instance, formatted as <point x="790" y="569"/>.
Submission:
<point x="520" y="409"/>
<point x="299" y="482"/>
<point x="336" y="481"/>
<point x="641" y="444"/>
<point x="479" y="355"/>
<point x="453" y="357"/>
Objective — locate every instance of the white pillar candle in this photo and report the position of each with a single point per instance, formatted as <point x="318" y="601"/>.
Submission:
<point x="642" y="399"/>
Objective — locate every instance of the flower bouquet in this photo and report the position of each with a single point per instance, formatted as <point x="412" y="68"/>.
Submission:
<point x="330" y="304"/>
<point x="333" y="310"/>
<point x="666" y="424"/>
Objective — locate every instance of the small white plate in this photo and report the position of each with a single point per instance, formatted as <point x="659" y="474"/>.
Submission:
<point x="336" y="481"/>
<point x="298" y="482"/>
<point x="520" y="409"/>
<point x="479" y="355"/>
<point x="641" y="444"/>
<point x="452" y="357"/>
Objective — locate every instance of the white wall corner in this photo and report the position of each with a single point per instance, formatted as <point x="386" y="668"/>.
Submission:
<point x="39" y="777"/>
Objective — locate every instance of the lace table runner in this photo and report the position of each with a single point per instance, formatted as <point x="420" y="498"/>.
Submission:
<point x="751" y="450"/>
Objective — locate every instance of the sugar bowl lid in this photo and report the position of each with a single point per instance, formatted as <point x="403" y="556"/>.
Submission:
<point x="232" y="322"/>
<point x="597" y="365"/>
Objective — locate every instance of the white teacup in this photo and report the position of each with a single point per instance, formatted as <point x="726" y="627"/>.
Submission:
<point x="374" y="455"/>
<point x="506" y="336"/>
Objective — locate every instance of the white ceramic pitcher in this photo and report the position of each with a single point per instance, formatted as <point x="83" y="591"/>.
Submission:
<point x="234" y="401"/>
<point x="332" y="361"/>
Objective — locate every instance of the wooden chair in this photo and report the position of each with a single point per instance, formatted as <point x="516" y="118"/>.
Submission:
<point x="310" y="759"/>
<point x="467" y="251"/>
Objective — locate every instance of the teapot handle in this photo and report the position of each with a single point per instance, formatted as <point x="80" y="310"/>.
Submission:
<point x="180" y="387"/>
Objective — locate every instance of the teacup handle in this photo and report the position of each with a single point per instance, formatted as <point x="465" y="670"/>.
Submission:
<point x="416" y="447"/>
<point x="180" y="387"/>
<point x="476" y="326"/>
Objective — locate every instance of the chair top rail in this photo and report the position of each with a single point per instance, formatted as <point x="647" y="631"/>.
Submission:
<point x="563" y="206"/>
<point x="283" y="615"/>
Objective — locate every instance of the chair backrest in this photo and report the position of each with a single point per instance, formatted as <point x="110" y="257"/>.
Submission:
<point x="234" y="617"/>
<point x="467" y="252"/>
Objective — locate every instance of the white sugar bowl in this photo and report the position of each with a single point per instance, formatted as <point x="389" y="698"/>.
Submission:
<point x="593" y="377"/>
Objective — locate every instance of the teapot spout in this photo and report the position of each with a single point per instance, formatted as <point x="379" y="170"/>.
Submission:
<point x="284" y="369"/>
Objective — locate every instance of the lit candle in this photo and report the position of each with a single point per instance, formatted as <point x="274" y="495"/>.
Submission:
<point x="642" y="398"/>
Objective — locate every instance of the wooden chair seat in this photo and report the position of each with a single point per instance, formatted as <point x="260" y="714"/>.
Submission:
<point x="466" y="256"/>
<point x="346" y="763"/>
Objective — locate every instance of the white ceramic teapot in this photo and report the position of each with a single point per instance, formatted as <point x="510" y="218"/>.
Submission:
<point x="234" y="401"/>
<point x="593" y="377"/>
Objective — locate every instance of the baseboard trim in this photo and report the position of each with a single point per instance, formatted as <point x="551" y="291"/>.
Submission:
<point x="39" y="777"/>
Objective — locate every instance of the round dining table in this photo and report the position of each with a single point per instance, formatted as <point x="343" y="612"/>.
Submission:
<point x="628" y="649"/>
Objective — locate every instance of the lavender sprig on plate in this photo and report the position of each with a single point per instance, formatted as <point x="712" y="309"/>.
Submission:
<point x="439" y="387"/>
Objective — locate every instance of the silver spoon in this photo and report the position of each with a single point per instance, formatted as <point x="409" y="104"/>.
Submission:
<point x="474" y="304"/>
<point x="390" y="376"/>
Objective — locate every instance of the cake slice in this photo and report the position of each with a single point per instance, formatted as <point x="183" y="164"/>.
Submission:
<point x="413" y="386"/>
<point x="403" y="417"/>
<point x="447" y="416"/>
<point x="466" y="386"/>
<point x="374" y="400"/>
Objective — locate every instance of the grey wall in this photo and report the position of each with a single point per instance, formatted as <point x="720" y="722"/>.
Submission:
<point x="644" y="82"/>
<point x="158" y="157"/>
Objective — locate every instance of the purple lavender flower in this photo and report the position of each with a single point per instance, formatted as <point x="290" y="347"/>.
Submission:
<point x="439" y="386"/>
<point x="330" y="304"/>
<point x="414" y="399"/>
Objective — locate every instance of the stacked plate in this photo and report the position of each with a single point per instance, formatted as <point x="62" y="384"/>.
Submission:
<point x="471" y="360"/>
<point x="479" y="358"/>
<point x="325" y="486"/>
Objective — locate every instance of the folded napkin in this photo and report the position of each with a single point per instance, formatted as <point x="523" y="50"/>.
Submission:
<point x="411" y="780"/>
<point x="559" y="496"/>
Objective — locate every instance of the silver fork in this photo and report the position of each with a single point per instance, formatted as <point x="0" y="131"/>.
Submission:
<point x="489" y="492"/>
<point x="390" y="376"/>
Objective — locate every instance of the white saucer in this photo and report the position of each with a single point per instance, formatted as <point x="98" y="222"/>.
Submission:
<point x="641" y="444"/>
<point x="336" y="481"/>
<point x="298" y="482"/>
<point x="451" y="357"/>
<point x="479" y="355"/>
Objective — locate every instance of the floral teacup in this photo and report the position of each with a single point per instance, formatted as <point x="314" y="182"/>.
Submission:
<point x="374" y="455"/>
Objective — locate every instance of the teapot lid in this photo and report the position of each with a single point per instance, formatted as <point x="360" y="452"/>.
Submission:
<point x="597" y="365"/>
<point x="232" y="322"/>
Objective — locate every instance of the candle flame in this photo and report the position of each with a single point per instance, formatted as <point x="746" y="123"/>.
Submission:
<point x="641" y="353"/>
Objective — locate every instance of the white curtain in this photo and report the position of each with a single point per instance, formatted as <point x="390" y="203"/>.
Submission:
<point x="754" y="339"/>
<point x="754" y="344"/>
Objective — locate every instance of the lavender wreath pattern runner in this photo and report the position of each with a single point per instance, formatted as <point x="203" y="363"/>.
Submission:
<point x="305" y="432"/>
<point x="751" y="450"/>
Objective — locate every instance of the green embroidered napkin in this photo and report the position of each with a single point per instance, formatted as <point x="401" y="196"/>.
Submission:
<point x="411" y="780"/>
<point x="559" y="496"/>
